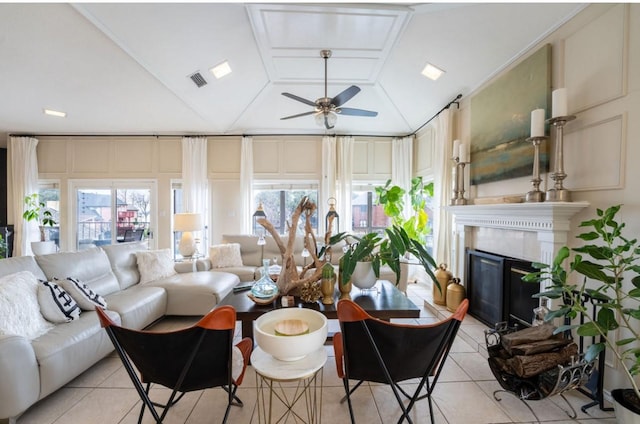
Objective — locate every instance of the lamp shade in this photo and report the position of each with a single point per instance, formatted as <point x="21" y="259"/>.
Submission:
<point x="187" y="222"/>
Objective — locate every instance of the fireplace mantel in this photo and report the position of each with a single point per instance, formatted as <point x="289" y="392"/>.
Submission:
<point x="551" y="221"/>
<point x="545" y="216"/>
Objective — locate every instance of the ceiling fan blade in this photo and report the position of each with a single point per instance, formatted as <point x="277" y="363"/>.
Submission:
<point x="300" y="99"/>
<point x="356" y="112"/>
<point x="345" y="96"/>
<point x="299" y="115"/>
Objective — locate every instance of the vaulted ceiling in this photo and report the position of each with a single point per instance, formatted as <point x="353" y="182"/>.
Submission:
<point x="124" y="68"/>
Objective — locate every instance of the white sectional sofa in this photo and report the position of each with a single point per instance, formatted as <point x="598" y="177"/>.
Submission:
<point x="32" y="369"/>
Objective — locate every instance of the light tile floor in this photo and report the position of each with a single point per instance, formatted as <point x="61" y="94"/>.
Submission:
<point x="104" y="394"/>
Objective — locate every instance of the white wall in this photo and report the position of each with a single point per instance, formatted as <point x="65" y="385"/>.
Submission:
<point x="596" y="56"/>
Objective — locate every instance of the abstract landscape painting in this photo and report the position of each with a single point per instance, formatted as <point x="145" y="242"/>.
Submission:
<point x="501" y="121"/>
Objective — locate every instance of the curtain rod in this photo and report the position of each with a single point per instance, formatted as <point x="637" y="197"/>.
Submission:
<point x="454" y="101"/>
<point x="206" y="135"/>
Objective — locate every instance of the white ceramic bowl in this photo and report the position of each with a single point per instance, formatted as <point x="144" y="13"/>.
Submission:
<point x="290" y="348"/>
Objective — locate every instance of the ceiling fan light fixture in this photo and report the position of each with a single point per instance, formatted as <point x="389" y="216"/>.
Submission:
<point x="331" y="119"/>
<point x="432" y="72"/>
<point x="221" y="70"/>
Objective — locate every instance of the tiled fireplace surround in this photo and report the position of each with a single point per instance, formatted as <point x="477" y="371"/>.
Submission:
<point x="530" y="231"/>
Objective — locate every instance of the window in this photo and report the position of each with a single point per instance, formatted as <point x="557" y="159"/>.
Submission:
<point x="49" y="193"/>
<point x="279" y="204"/>
<point x="108" y="213"/>
<point x="367" y="216"/>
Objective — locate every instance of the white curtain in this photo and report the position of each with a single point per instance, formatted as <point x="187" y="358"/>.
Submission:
<point x="401" y="172"/>
<point x="344" y="181"/>
<point x="328" y="183"/>
<point x="442" y="188"/>
<point x="194" y="176"/>
<point x="247" y="208"/>
<point x="24" y="180"/>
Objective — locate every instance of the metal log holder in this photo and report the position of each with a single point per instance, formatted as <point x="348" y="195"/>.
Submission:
<point x="546" y="384"/>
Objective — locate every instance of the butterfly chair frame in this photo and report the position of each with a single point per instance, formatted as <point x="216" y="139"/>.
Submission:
<point x="194" y="358"/>
<point x="369" y="349"/>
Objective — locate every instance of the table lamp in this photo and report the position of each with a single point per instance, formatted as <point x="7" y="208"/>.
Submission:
<point x="187" y="223"/>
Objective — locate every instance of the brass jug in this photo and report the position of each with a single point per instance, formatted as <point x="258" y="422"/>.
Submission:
<point x="444" y="278"/>
<point x="455" y="294"/>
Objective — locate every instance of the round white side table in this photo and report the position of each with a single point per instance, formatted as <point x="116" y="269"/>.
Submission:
<point x="306" y="372"/>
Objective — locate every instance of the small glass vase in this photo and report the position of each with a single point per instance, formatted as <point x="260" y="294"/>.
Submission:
<point x="264" y="288"/>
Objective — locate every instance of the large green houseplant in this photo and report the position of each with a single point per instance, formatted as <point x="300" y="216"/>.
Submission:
<point x="35" y="210"/>
<point x="610" y="272"/>
<point x="392" y="199"/>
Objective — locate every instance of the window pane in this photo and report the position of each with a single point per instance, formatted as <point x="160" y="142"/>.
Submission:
<point x="93" y="217"/>
<point x="279" y="205"/>
<point x="366" y="215"/>
<point x="51" y="198"/>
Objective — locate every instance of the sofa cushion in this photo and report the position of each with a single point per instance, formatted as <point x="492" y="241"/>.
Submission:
<point x="225" y="255"/>
<point x="70" y="349"/>
<point x="139" y="306"/>
<point x="91" y="266"/>
<point x="124" y="263"/>
<point x="56" y="304"/>
<point x="82" y="294"/>
<point x="196" y="293"/>
<point x="21" y="263"/>
<point x="155" y="264"/>
<point x="19" y="309"/>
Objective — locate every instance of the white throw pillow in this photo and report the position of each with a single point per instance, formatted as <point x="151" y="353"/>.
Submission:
<point x="225" y="255"/>
<point x="19" y="309"/>
<point x="86" y="298"/>
<point x="155" y="264"/>
<point x="56" y="304"/>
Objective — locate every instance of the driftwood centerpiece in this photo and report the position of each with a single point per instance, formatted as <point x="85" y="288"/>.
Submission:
<point x="290" y="281"/>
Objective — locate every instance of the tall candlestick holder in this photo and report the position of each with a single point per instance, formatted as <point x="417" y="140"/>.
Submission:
<point x="558" y="193"/>
<point x="536" y="195"/>
<point x="458" y="183"/>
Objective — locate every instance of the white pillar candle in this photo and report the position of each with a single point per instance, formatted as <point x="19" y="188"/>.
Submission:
<point x="463" y="152"/>
<point x="456" y="148"/>
<point x="537" y="123"/>
<point x="559" y="102"/>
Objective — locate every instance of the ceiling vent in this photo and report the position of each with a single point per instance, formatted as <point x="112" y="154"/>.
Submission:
<point x="198" y="79"/>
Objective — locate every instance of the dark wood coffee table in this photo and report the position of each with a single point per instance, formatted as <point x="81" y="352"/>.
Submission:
<point x="387" y="303"/>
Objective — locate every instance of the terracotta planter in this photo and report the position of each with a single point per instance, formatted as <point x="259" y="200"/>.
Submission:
<point x="627" y="406"/>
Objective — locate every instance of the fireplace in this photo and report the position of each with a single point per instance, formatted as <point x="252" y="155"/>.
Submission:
<point x="496" y="291"/>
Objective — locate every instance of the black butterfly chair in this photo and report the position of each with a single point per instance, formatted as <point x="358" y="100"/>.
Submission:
<point x="194" y="358"/>
<point x="369" y="349"/>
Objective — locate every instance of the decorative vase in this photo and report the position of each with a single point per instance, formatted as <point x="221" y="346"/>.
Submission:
<point x="43" y="247"/>
<point x="363" y="276"/>
<point x="327" y="286"/>
<point x="345" y="288"/>
<point x="455" y="294"/>
<point x="626" y="405"/>
<point x="444" y="277"/>
<point x="264" y="288"/>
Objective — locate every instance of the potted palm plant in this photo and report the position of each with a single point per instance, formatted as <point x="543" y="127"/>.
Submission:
<point x="610" y="273"/>
<point x="35" y="210"/>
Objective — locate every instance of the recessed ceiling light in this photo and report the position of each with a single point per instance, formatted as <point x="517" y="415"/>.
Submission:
<point x="55" y="113"/>
<point x="432" y="72"/>
<point x="221" y="70"/>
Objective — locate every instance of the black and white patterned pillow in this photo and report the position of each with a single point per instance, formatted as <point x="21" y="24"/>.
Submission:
<point x="87" y="299"/>
<point x="56" y="305"/>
